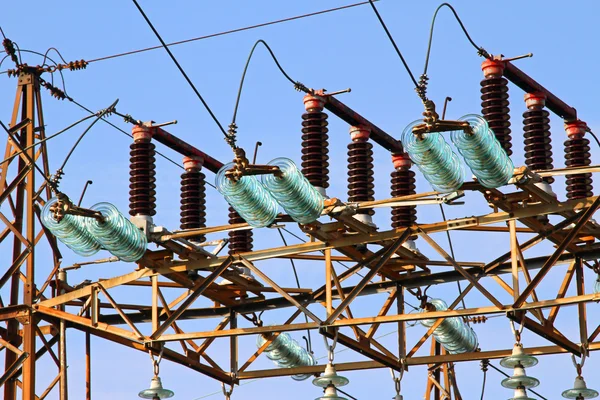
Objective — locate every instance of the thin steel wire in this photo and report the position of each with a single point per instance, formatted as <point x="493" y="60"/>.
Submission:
<point x="479" y="48"/>
<point x="508" y="376"/>
<point x="309" y="338"/>
<point x="391" y="38"/>
<point x="231" y="31"/>
<point x="239" y="93"/>
<point x="189" y="81"/>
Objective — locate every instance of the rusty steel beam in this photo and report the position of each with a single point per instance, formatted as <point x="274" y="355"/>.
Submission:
<point x="547" y="332"/>
<point x="585" y="216"/>
<point x="184" y="148"/>
<point x="350" y="116"/>
<point x="530" y="85"/>
<point x="196" y="292"/>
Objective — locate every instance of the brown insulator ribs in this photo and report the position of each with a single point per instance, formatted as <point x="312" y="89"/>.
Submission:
<point x="142" y="193"/>
<point x="494" y="102"/>
<point x="577" y="154"/>
<point x="239" y="241"/>
<point x="536" y="128"/>
<point x="193" y="198"/>
<point x="315" y="164"/>
<point x="360" y="169"/>
<point x="403" y="184"/>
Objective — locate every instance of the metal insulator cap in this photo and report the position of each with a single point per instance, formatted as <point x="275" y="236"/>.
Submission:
<point x="535" y="100"/>
<point x="492" y="68"/>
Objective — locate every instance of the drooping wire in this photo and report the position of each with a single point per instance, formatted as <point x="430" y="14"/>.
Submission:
<point x="239" y="93"/>
<point x="390" y="37"/>
<point x="46" y="138"/>
<point x="346" y="393"/>
<point x="309" y="337"/>
<point x="31" y="160"/>
<point x="127" y="134"/>
<point x="484" y="368"/>
<point x="480" y="50"/>
<point x="453" y="257"/>
<point x="98" y="117"/>
<point x="594" y="136"/>
<point x="339" y="262"/>
<point x="247" y="382"/>
<point x="506" y="375"/>
<point x="189" y="81"/>
<point x="231" y="31"/>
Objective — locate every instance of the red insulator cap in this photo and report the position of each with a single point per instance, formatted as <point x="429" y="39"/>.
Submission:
<point x="359" y="133"/>
<point x="535" y="100"/>
<point x="312" y="102"/>
<point x="193" y="163"/>
<point x="492" y="68"/>
<point x="140" y="132"/>
<point x="401" y="160"/>
<point x="575" y="129"/>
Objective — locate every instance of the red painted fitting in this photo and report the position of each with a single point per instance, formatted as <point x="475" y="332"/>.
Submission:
<point x="492" y="68"/>
<point x="535" y="100"/>
<point x="401" y="161"/>
<point x="359" y="133"/>
<point x="193" y="163"/>
<point x="313" y="102"/>
<point x="141" y="133"/>
<point x="575" y="129"/>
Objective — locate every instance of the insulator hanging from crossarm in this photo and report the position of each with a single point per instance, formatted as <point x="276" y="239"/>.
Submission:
<point x="577" y="154"/>
<point x="193" y="196"/>
<point x="142" y="193"/>
<point x="536" y="131"/>
<point x="315" y="158"/>
<point x="403" y="184"/>
<point x="494" y="102"/>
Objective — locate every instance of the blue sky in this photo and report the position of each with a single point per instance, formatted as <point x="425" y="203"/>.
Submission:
<point x="336" y="51"/>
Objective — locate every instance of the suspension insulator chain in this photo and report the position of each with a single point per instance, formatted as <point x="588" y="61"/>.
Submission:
<point x="577" y="154"/>
<point x="494" y="102"/>
<point x="315" y="158"/>
<point x="142" y="193"/>
<point x="536" y="128"/>
<point x="193" y="197"/>
<point x="239" y="241"/>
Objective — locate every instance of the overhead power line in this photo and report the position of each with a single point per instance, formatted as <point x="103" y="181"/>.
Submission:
<point x="246" y="28"/>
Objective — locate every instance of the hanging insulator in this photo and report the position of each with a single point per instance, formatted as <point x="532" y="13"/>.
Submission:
<point x="285" y="352"/>
<point x="577" y="154"/>
<point x="193" y="197"/>
<point x="315" y="164"/>
<point x="536" y="128"/>
<point x="239" y="241"/>
<point x="453" y="333"/>
<point x="142" y="200"/>
<point x="494" y="102"/>
<point x="403" y="184"/>
<point x="360" y="171"/>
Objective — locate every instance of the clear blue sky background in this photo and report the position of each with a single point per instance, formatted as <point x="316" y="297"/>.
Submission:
<point x="335" y="51"/>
